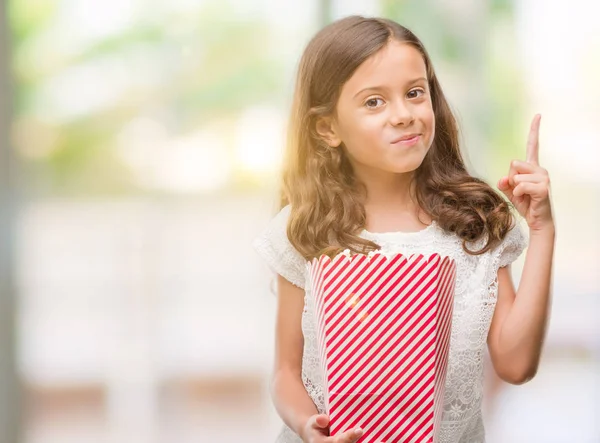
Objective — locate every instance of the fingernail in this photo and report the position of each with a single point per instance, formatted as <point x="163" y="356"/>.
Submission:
<point x="359" y="431"/>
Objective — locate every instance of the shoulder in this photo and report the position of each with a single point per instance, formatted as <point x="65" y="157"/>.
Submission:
<point x="511" y="246"/>
<point x="282" y="216"/>
<point x="274" y="247"/>
<point x="276" y="228"/>
<point x="506" y="251"/>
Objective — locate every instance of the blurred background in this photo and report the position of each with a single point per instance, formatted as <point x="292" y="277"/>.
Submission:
<point x="140" y="142"/>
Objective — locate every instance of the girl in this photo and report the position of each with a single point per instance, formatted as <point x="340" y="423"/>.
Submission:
<point x="373" y="163"/>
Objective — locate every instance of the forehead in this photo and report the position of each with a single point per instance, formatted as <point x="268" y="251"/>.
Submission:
<point x="395" y="64"/>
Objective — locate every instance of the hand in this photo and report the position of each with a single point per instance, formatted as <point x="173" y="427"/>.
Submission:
<point x="527" y="185"/>
<point x="316" y="430"/>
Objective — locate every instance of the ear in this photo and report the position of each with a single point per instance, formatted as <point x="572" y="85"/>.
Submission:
<point x="327" y="129"/>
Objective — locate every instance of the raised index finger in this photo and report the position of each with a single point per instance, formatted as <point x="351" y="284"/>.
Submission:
<point x="533" y="142"/>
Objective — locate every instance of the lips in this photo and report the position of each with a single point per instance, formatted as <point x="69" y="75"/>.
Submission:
<point x="408" y="138"/>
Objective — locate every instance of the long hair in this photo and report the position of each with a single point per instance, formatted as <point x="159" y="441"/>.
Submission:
<point x="327" y="201"/>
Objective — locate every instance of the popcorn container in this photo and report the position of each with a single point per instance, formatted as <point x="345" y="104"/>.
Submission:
<point x="383" y="330"/>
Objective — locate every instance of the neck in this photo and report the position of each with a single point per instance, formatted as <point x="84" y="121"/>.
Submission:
<point x="390" y="189"/>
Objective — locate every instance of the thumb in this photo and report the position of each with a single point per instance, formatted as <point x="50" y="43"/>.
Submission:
<point x="322" y="420"/>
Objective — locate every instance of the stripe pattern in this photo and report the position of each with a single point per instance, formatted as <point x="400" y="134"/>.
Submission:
<point x="383" y="329"/>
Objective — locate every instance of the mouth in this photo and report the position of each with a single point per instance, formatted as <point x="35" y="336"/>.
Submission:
<point x="407" y="140"/>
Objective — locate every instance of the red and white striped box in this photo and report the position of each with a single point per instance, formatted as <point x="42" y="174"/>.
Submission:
<point x="383" y="326"/>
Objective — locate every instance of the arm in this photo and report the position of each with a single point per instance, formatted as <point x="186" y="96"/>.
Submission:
<point x="290" y="398"/>
<point x="519" y="323"/>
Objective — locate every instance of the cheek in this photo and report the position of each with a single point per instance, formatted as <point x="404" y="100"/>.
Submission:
<point x="428" y="119"/>
<point x="432" y="128"/>
<point x="361" y="128"/>
<point x="372" y="127"/>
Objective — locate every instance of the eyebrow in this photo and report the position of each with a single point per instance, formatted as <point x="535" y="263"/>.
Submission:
<point x="378" y="88"/>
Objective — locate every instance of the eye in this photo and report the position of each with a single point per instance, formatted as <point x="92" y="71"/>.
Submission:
<point x="372" y="102"/>
<point x="415" y="93"/>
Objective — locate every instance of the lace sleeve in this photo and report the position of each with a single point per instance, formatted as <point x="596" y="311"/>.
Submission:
<point x="277" y="251"/>
<point x="511" y="247"/>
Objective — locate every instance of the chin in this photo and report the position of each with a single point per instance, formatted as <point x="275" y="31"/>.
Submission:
<point x="402" y="168"/>
<point x="405" y="170"/>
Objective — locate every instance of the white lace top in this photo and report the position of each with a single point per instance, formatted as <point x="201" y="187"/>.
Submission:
<point x="474" y="301"/>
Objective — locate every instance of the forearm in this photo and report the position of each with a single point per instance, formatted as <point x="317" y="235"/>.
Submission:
<point x="524" y="328"/>
<point x="291" y="400"/>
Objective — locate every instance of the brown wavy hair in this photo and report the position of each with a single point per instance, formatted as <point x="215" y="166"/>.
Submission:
<point x="327" y="201"/>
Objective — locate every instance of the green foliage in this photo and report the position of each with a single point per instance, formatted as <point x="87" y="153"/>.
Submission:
<point x="30" y="17"/>
<point x="210" y="65"/>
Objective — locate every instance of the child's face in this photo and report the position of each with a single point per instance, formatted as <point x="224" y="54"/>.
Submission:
<point x="397" y="104"/>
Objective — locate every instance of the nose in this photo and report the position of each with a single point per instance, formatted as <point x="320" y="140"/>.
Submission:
<point x="400" y="114"/>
